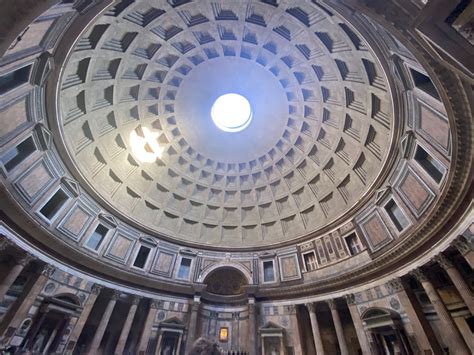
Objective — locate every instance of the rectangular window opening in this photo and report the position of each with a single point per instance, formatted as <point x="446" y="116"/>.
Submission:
<point x="310" y="261"/>
<point x="268" y="271"/>
<point x="424" y="83"/>
<point x="142" y="257"/>
<point x="184" y="268"/>
<point x="353" y="244"/>
<point x="14" y="79"/>
<point x="470" y="323"/>
<point x="17" y="154"/>
<point x="396" y="215"/>
<point x="54" y="204"/>
<point x="429" y="164"/>
<point x="96" y="238"/>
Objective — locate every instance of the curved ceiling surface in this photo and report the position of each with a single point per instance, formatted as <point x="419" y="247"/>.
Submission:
<point x="321" y="129"/>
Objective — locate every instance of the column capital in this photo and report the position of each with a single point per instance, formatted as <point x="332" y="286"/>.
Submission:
<point x="291" y="309"/>
<point x="443" y="261"/>
<point x="195" y="306"/>
<point x="136" y="299"/>
<point x="311" y="307"/>
<point x="48" y="270"/>
<point x="395" y="285"/>
<point x="96" y="288"/>
<point x="419" y="275"/>
<point x="461" y="244"/>
<point x="154" y="304"/>
<point x="332" y="304"/>
<point x="115" y="295"/>
<point x="25" y="259"/>
<point x="5" y="243"/>
<point x="350" y="299"/>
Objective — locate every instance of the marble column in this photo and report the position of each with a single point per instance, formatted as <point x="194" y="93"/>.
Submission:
<point x="146" y="332"/>
<point x="252" y="337"/>
<point x="104" y="321"/>
<point x="424" y="335"/>
<point x="338" y="325"/>
<point x="127" y="325"/>
<point x="77" y="330"/>
<point x="193" y="322"/>
<point x="159" y="343"/>
<point x="8" y="281"/>
<point x="15" y="316"/>
<point x="398" y="336"/>
<point x="452" y="336"/>
<point x="457" y="280"/>
<point x="318" y="342"/>
<point x="463" y="246"/>
<point x="178" y="347"/>
<point x="358" y="325"/>
<point x="295" y="330"/>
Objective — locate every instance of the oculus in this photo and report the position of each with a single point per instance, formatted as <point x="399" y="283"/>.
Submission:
<point x="231" y="112"/>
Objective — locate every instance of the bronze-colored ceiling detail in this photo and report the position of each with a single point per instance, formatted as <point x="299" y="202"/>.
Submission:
<point x="226" y="282"/>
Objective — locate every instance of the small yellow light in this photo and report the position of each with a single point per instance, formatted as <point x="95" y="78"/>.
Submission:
<point x="224" y="334"/>
<point x="145" y="146"/>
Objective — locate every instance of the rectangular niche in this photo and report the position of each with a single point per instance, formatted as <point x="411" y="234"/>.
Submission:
<point x="429" y="164"/>
<point x="184" y="270"/>
<point x="14" y="79"/>
<point x="142" y="257"/>
<point x="52" y="207"/>
<point x="14" y="156"/>
<point x="396" y="215"/>
<point x="268" y="267"/>
<point x="97" y="237"/>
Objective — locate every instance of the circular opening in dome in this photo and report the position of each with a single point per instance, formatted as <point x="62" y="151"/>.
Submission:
<point x="231" y="112"/>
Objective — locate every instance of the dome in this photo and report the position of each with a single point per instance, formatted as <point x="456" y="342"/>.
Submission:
<point x="252" y="176"/>
<point x="322" y="119"/>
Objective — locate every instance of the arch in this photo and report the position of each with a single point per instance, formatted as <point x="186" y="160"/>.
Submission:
<point x="378" y="312"/>
<point x="375" y="318"/>
<point x="172" y="320"/>
<point x="226" y="264"/>
<point x="226" y="281"/>
<point x="68" y="298"/>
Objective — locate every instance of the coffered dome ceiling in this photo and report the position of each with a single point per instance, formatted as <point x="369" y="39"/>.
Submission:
<point x="319" y="137"/>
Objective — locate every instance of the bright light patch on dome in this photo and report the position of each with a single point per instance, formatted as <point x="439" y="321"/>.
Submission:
<point x="231" y="112"/>
<point x="144" y="144"/>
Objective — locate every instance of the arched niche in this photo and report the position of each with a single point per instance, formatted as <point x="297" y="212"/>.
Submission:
<point x="226" y="281"/>
<point x="226" y="264"/>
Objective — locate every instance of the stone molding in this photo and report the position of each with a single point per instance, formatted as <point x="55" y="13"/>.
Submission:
<point x="350" y="299"/>
<point x="48" y="270"/>
<point x="115" y="295"/>
<point x="25" y="259"/>
<point x="332" y="304"/>
<point x="420" y="275"/>
<point x="461" y="244"/>
<point x="311" y="307"/>
<point x="95" y="289"/>
<point x="443" y="261"/>
<point x="395" y="285"/>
